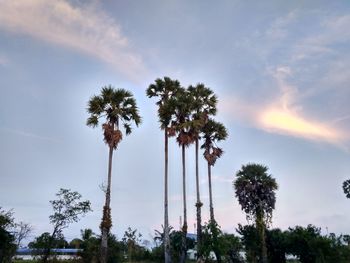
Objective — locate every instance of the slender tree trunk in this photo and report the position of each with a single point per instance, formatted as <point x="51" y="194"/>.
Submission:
<point x="198" y="206"/>
<point x="211" y="207"/>
<point x="261" y="230"/>
<point x="212" y="218"/>
<point x="184" y="227"/>
<point x="106" y="218"/>
<point x="167" y="256"/>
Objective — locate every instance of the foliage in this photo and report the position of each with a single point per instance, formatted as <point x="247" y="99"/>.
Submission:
<point x="310" y="246"/>
<point x="115" y="105"/>
<point x="166" y="90"/>
<point x="89" y="245"/>
<point x="67" y="209"/>
<point x="255" y="190"/>
<point x="222" y="244"/>
<point x="250" y="241"/>
<point x="132" y="240"/>
<point x="213" y="132"/>
<point x="346" y="188"/>
<point x="41" y="242"/>
<point x="7" y="239"/>
<point x="176" y="244"/>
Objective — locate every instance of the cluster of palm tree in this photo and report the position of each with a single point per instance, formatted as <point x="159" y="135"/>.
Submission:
<point x="184" y="113"/>
<point x="187" y="114"/>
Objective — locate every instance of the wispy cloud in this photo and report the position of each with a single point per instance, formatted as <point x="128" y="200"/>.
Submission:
<point x="83" y="27"/>
<point x="283" y="113"/>
<point x="285" y="116"/>
<point x="28" y="134"/>
<point x="304" y="87"/>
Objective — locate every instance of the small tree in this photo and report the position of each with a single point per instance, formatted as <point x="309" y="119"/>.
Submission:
<point x="255" y="190"/>
<point x="7" y="239"/>
<point x="131" y="240"/>
<point x="22" y="231"/>
<point x="67" y="209"/>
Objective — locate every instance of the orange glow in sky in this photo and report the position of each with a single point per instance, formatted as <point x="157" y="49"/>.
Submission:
<point x="289" y="122"/>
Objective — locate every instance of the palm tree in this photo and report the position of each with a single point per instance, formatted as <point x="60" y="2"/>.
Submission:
<point x="116" y="107"/>
<point x="166" y="89"/>
<point x="213" y="132"/>
<point x="182" y="125"/>
<point x="204" y="104"/>
<point x="255" y="190"/>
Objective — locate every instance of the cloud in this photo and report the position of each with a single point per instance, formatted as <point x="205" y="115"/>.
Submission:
<point x="28" y="134"/>
<point x="83" y="28"/>
<point x="283" y="114"/>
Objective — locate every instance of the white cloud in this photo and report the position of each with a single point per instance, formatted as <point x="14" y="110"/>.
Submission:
<point x="84" y="28"/>
<point x="284" y="114"/>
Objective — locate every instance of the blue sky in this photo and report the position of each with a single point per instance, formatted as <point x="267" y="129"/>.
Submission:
<point x="280" y="70"/>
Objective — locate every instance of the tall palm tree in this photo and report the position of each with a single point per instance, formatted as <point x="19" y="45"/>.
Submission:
<point x="213" y="132"/>
<point x="165" y="89"/>
<point x="255" y="190"/>
<point x="204" y="105"/>
<point x="182" y="125"/>
<point x="117" y="107"/>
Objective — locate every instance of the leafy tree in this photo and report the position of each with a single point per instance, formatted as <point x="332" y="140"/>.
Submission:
<point x="165" y="89"/>
<point x="67" y="209"/>
<point x="117" y="107"/>
<point x="231" y="247"/>
<point x="90" y="246"/>
<point x="7" y="239"/>
<point x="213" y="132"/>
<point x="346" y="188"/>
<point x="310" y="246"/>
<point x="204" y="105"/>
<point x="250" y="241"/>
<point x="276" y="241"/>
<point x="131" y="240"/>
<point x="75" y="243"/>
<point x="176" y="238"/>
<point x="255" y="190"/>
<point x="41" y="242"/>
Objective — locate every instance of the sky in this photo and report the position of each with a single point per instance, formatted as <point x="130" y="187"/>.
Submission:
<point x="281" y="71"/>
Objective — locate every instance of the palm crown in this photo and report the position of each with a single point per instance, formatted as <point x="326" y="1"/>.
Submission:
<point x="117" y="106"/>
<point x="166" y="89"/>
<point x="213" y="132"/>
<point x="255" y="190"/>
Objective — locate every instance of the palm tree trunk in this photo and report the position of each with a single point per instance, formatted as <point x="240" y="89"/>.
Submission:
<point x="211" y="208"/>
<point x="184" y="228"/>
<point x="212" y="218"/>
<point x="198" y="206"/>
<point x="261" y="230"/>
<point x="106" y="218"/>
<point x="167" y="256"/>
